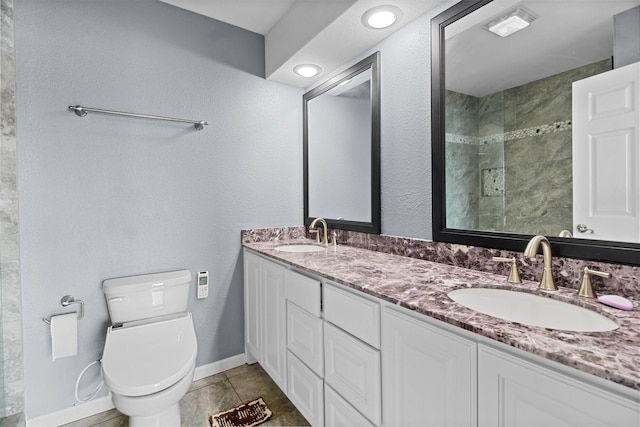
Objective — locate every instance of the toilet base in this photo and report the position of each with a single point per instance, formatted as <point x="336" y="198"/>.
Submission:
<point x="156" y="410"/>
<point x="169" y="417"/>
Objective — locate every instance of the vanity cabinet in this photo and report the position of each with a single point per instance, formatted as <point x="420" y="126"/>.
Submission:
<point x="429" y="374"/>
<point x="516" y="392"/>
<point x="348" y="359"/>
<point x="265" y="321"/>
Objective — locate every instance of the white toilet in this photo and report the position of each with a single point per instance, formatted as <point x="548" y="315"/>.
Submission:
<point x="150" y="352"/>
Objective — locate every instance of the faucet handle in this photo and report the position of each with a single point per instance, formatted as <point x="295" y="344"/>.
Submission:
<point x="514" y="276"/>
<point x="586" y="288"/>
<point x="334" y="238"/>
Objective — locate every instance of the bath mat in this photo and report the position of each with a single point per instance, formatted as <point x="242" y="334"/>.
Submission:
<point x="247" y="415"/>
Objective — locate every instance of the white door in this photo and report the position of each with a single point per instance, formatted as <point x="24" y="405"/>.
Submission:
<point x="606" y="155"/>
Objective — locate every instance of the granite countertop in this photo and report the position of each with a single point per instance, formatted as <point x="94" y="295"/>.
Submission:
<point x="422" y="286"/>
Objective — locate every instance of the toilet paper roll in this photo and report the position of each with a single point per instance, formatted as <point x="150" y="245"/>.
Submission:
<point x="64" y="335"/>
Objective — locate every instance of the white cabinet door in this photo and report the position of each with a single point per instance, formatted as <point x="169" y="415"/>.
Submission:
<point x="513" y="392"/>
<point x="352" y="368"/>
<point x="274" y="326"/>
<point x="252" y="307"/>
<point x="429" y="374"/>
<point x="305" y="390"/>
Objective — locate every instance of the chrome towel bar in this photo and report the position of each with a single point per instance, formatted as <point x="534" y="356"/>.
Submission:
<point x="82" y="111"/>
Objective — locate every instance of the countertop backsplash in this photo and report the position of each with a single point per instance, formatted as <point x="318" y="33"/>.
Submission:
<point x="567" y="272"/>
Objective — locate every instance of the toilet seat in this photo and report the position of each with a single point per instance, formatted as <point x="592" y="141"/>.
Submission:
<point x="147" y="358"/>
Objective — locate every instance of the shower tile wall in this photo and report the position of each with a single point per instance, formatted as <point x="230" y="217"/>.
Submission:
<point x="528" y="129"/>
<point x="11" y="330"/>
<point x="461" y="171"/>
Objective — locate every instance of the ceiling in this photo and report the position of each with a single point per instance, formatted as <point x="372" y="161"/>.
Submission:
<point x="566" y="34"/>
<point x="328" y="33"/>
<point x="253" y="15"/>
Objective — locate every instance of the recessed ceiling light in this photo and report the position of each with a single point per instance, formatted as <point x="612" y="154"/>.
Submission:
<point x="381" y="17"/>
<point x="307" y="70"/>
<point x="511" y="22"/>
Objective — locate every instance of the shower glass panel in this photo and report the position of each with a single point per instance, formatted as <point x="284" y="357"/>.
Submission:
<point x="474" y="163"/>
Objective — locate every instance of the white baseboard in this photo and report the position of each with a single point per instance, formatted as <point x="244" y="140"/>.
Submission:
<point x="104" y="403"/>
<point x="219" y="366"/>
<point x="73" y="413"/>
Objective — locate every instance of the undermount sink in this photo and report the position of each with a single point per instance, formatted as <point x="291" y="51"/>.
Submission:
<point x="533" y="310"/>
<point x="299" y="248"/>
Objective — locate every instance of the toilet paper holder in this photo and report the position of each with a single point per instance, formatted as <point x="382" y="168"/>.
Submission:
<point x="66" y="301"/>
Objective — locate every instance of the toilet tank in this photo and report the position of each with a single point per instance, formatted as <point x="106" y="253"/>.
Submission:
<point x="147" y="296"/>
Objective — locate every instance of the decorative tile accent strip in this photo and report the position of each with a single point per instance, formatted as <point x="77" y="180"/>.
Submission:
<point x="493" y="182"/>
<point x="509" y="136"/>
<point x="536" y="130"/>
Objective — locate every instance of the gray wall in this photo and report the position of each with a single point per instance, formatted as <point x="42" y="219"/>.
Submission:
<point x="105" y="196"/>
<point x="339" y="151"/>
<point x="626" y="37"/>
<point x="405" y="135"/>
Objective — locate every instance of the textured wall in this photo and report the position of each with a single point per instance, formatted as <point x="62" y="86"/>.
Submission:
<point x="405" y="135"/>
<point x="106" y="196"/>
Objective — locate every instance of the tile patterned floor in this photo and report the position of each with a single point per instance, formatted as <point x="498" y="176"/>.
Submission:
<point x="215" y="394"/>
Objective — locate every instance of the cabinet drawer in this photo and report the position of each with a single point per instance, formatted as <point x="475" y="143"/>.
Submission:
<point x="305" y="390"/>
<point x="352" y="368"/>
<point x="302" y="290"/>
<point x="356" y="315"/>
<point x="338" y="412"/>
<point x="304" y="337"/>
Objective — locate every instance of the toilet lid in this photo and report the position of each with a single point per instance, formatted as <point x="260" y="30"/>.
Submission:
<point x="145" y="359"/>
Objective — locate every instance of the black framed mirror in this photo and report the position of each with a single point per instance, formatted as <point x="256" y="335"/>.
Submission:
<point x="341" y="149"/>
<point x="450" y="228"/>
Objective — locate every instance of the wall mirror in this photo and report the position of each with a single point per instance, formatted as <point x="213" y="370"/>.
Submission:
<point x="341" y="149"/>
<point x="511" y="158"/>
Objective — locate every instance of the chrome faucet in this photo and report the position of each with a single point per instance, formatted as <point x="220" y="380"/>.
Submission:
<point x="546" y="281"/>
<point x="313" y="229"/>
